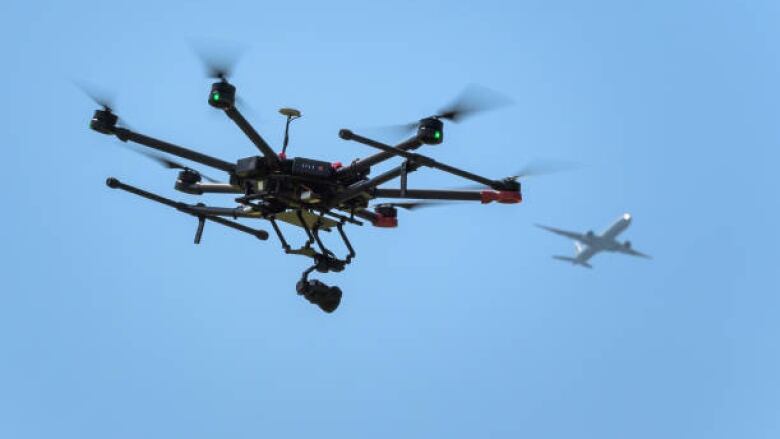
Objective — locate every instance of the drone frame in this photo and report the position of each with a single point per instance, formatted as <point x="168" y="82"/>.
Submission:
<point x="311" y="217"/>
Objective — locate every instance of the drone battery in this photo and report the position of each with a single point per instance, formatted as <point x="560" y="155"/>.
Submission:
<point x="311" y="168"/>
<point x="248" y="167"/>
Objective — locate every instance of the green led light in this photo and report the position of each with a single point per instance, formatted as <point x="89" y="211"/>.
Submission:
<point x="215" y="96"/>
<point x="437" y="134"/>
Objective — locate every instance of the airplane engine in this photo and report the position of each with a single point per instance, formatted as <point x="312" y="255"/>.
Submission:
<point x="627" y="244"/>
<point x="590" y="234"/>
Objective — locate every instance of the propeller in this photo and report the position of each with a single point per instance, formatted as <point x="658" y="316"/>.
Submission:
<point x="106" y="100"/>
<point x="98" y="95"/>
<point x="544" y="167"/>
<point x="219" y="58"/>
<point x="474" y="99"/>
<point x="167" y="162"/>
<point x="535" y="168"/>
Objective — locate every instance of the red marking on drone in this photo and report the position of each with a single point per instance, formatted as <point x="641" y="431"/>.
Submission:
<point x="385" y="221"/>
<point x="503" y="197"/>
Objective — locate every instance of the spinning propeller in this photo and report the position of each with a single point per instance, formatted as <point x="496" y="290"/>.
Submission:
<point x="219" y="59"/>
<point x="102" y="98"/>
<point x="474" y="99"/>
<point x="544" y="167"/>
<point x="535" y="168"/>
<point x="168" y="163"/>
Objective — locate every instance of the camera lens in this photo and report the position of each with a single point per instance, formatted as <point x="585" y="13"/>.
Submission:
<point x="330" y="300"/>
<point x="318" y="293"/>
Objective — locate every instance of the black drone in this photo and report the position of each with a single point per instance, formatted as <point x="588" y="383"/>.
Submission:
<point x="311" y="194"/>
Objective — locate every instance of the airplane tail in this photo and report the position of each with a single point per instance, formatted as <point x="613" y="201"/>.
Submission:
<point x="574" y="261"/>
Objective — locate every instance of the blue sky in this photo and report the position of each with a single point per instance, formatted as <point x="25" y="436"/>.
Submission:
<point x="456" y="324"/>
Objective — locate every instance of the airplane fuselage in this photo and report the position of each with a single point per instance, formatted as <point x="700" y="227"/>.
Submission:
<point x="589" y="244"/>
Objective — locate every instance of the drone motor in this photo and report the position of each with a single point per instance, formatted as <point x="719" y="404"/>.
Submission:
<point x="222" y="95"/>
<point x="430" y="131"/>
<point x="103" y="121"/>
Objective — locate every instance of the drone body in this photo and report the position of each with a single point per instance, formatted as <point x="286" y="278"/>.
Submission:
<point x="311" y="194"/>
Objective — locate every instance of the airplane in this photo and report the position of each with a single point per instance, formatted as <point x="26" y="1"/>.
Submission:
<point x="589" y="244"/>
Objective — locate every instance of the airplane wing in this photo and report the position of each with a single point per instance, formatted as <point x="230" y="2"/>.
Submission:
<point x="574" y="261"/>
<point x="573" y="235"/>
<point x="632" y="252"/>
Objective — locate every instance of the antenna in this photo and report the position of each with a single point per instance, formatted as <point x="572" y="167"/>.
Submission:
<point x="291" y="114"/>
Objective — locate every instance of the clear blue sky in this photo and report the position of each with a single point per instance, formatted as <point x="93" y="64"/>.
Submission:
<point x="456" y="324"/>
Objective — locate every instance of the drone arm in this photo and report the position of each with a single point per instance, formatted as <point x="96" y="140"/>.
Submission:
<point x="364" y="186"/>
<point x="212" y="188"/>
<point x="232" y="212"/>
<point x="366" y="215"/>
<point x="429" y="194"/>
<point x="253" y="135"/>
<point x="362" y="165"/>
<point x="124" y="135"/>
<point x="257" y="233"/>
<point x="484" y="196"/>
<point x="202" y="212"/>
<point x="422" y="160"/>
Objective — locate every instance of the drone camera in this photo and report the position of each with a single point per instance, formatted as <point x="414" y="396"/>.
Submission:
<point x="103" y="121"/>
<point x="430" y="131"/>
<point x="318" y="293"/>
<point x="223" y="95"/>
<point x="324" y="264"/>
